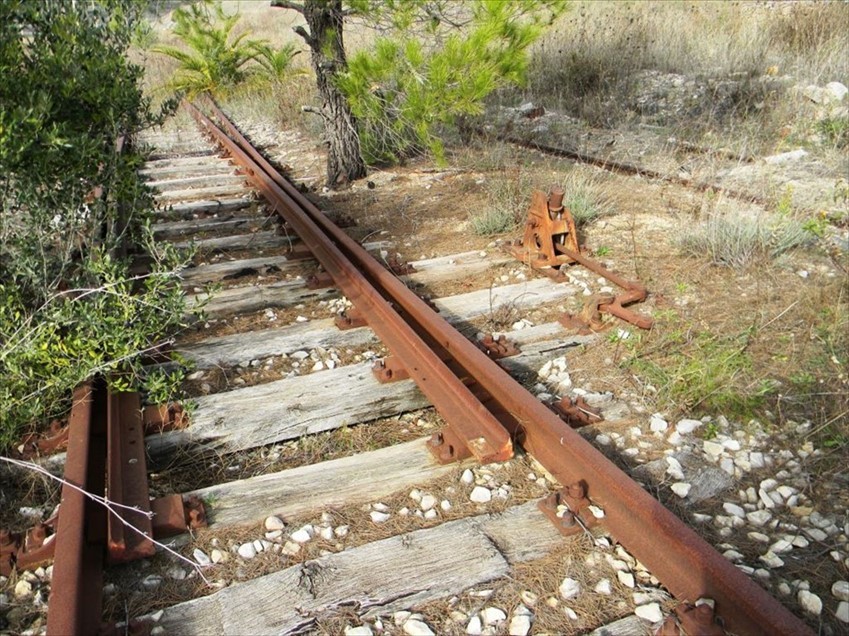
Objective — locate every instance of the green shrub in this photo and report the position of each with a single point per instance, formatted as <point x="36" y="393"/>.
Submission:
<point x="69" y="200"/>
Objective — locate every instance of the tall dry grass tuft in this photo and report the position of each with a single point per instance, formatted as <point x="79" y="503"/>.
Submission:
<point x="608" y="62"/>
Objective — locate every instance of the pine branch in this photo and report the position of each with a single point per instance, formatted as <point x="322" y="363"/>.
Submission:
<point x="286" y="4"/>
<point x="310" y="40"/>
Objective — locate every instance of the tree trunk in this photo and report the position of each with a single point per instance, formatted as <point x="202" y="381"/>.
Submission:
<point x="344" y="158"/>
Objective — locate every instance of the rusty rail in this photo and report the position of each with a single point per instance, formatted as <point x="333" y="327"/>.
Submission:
<point x="77" y="585"/>
<point x="105" y="456"/>
<point x="685" y="563"/>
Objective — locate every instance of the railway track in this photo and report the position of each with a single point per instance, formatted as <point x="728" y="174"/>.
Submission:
<point x="364" y="541"/>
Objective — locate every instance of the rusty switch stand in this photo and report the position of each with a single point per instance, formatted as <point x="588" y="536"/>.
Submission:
<point x="550" y="241"/>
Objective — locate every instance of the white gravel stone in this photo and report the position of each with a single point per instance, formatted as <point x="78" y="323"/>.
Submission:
<point x="431" y="514"/>
<point x="326" y="533"/>
<point x="781" y="546"/>
<point x="493" y="616"/>
<point x="569" y="588"/>
<point x="217" y="556"/>
<point x="468" y="477"/>
<point x="151" y="581"/>
<point x="360" y="630"/>
<point x="713" y="449"/>
<point x="842" y="612"/>
<point x="810" y="602"/>
<point x="758" y="536"/>
<point x="625" y="578"/>
<point x="758" y="517"/>
<point x="445" y="505"/>
<point x="416" y="627"/>
<point x="474" y="627"/>
<point x="380" y="507"/>
<point x="815" y="533"/>
<point x="290" y="548"/>
<point x="201" y="558"/>
<point x="572" y="614"/>
<point x="604" y="587"/>
<point x="247" y="550"/>
<point x="341" y="531"/>
<point x="528" y="598"/>
<point x="480" y="494"/>
<point x="685" y="427"/>
<point x="681" y="488"/>
<point x="674" y="469"/>
<point x="427" y="502"/>
<point x="520" y="625"/>
<point x="650" y="612"/>
<point x="658" y="424"/>
<point x="840" y="590"/>
<point x="379" y="517"/>
<point x="771" y="560"/>
<point x="273" y="523"/>
<point x="734" y="509"/>
<point x="302" y="535"/>
<point x="23" y="589"/>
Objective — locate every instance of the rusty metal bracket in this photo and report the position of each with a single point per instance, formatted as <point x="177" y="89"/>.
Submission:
<point x="568" y="509"/>
<point x="350" y="319"/>
<point x="51" y="441"/>
<point x="497" y="348"/>
<point x="398" y="266"/>
<point x="160" y="418"/>
<point x="447" y="447"/>
<point x="390" y="369"/>
<point x="692" y="620"/>
<point x="320" y="280"/>
<point x="576" y="413"/>
<point x="25" y="551"/>
<point x="172" y="515"/>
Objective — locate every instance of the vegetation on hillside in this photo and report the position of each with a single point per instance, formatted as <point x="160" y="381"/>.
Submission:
<point x="71" y="201"/>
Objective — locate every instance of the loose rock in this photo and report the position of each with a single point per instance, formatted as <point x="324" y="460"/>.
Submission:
<point x="480" y="495"/>
<point x="650" y="612"/>
<point x="569" y="588"/>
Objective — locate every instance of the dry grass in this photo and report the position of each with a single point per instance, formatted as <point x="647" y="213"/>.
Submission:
<point x="591" y="62"/>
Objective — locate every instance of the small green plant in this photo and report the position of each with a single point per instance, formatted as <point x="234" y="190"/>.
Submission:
<point x="699" y="372"/>
<point x="586" y="198"/>
<point x="274" y="65"/>
<point x="834" y="131"/>
<point x="681" y="287"/>
<point x="602" y="250"/>
<point x="816" y="226"/>
<point x="711" y="430"/>
<point x="738" y="240"/>
<point x="507" y="196"/>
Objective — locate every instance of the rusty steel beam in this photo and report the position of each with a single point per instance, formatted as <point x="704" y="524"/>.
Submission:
<point x="76" y="589"/>
<point x="473" y="426"/>
<point x="675" y="554"/>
